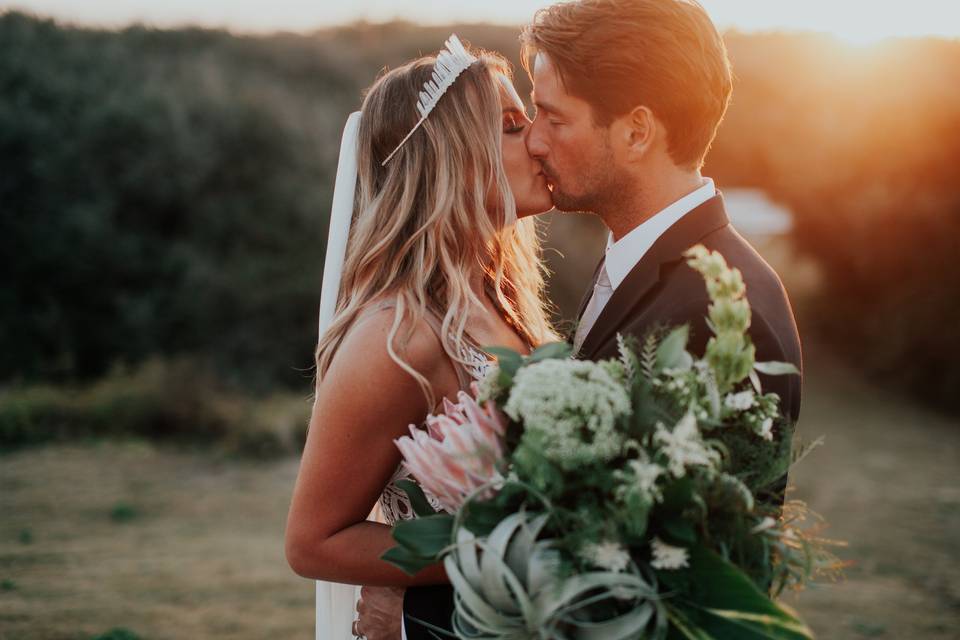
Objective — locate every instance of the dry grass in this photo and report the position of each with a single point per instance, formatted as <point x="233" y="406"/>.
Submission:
<point x="188" y="545"/>
<point x="195" y="551"/>
<point x="201" y="556"/>
<point x="887" y="482"/>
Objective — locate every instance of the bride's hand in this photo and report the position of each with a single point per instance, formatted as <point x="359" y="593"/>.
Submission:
<point x="381" y="613"/>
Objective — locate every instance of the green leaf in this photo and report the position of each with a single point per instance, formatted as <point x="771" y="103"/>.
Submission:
<point x="683" y="625"/>
<point x="508" y="360"/>
<point x="418" y="500"/>
<point x="728" y="604"/>
<point x="671" y="352"/>
<point x="776" y="368"/>
<point x="491" y="573"/>
<point x="550" y="351"/>
<point x="623" y="627"/>
<point x="487" y="617"/>
<point x="406" y="561"/>
<point x="745" y="626"/>
<point x="569" y="592"/>
<point x="480" y="517"/>
<point x="680" y="531"/>
<point x="425" y="537"/>
<point x="678" y="495"/>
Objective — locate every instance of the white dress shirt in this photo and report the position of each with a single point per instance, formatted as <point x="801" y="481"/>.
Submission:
<point x="624" y="254"/>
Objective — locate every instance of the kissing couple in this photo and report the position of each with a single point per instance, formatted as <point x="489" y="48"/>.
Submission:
<point x="434" y="255"/>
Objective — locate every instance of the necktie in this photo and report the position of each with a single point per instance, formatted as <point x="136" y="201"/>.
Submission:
<point x="601" y="295"/>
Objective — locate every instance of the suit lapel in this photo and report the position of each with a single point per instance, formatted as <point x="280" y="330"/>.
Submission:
<point x="669" y="248"/>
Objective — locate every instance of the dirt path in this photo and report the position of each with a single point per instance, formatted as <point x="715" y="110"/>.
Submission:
<point x="887" y="481"/>
<point x="179" y="545"/>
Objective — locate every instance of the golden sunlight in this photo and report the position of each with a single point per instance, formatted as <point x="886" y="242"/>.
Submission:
<point x="854" y="21"/>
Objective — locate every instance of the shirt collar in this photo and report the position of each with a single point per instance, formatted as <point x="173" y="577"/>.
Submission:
<point x="623" y="255"/>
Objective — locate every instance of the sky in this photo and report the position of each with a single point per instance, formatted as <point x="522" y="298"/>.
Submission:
<point x="857" y="21"/>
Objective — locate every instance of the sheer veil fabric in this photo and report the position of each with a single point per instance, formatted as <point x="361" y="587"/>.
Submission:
<point x="336" y="603"/>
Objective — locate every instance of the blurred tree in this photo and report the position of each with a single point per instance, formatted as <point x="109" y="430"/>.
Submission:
<point x="864" y="146"/>
<point x="167" y="192"/>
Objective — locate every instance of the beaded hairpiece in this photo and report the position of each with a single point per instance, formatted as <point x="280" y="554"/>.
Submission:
<point x="451" y="62"/>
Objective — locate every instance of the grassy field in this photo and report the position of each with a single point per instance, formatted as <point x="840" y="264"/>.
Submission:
<point x="175" y="544"/>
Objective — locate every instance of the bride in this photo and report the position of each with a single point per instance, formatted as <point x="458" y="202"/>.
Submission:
<point x="442" y="259"/>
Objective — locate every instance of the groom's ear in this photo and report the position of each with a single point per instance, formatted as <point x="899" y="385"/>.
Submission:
<point x="638" y="131"/>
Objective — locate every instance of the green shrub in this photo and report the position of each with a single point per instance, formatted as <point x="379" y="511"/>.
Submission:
<point x="33" y="415"/>
<point x="118" y="633"/>
<point x="123" y="512"/>
<point x="166" y="401"/>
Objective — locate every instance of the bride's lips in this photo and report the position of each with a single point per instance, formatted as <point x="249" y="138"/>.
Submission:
<point x="541" y="176"/>
<point x="546" y="179"/>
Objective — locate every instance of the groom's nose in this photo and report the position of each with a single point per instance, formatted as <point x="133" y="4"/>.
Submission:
<point x="536" y="143"/>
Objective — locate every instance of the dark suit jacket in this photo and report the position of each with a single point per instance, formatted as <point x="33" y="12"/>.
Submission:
<point x="433" y="604"/>
<point x="662" y="290"/>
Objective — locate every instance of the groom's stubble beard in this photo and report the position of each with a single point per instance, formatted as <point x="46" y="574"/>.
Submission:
<point x="606" y="187"/>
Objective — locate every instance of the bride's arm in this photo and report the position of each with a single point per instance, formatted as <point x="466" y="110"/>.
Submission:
<point x="363" y="402"/>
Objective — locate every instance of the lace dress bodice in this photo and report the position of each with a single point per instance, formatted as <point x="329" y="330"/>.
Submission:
<point x="394" y="503"/>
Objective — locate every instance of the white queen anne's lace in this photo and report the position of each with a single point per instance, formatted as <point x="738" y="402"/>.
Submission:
<point x="556" y="399"/>
<point x="740" y="401"/>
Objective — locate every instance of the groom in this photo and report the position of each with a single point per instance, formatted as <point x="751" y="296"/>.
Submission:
<point x="629" y="95"/>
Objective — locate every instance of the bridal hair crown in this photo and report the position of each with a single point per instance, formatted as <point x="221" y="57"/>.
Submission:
<point x="451" y="62"/>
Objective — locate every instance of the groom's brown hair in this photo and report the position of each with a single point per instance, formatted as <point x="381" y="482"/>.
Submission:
<point x="620" y="54"/>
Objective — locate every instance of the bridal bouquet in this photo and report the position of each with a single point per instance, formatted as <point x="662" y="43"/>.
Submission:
<point x="616" y="499"/>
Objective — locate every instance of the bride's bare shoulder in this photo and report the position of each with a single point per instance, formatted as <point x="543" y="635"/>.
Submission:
<point x="364" y="350"/>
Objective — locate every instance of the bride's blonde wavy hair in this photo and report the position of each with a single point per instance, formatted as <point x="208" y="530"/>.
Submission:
<point x="435" y="215"/>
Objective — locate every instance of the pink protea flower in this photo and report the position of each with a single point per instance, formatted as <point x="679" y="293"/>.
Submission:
<point x="458" y="452"/>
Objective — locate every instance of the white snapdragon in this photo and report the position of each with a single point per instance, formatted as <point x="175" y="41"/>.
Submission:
<point x="766" y="429"/>
<point x="740" y="401"/>
<point x="606" y="555"/>
<point x="571" y="409"/>
<point x="684" y="447"/>
<point x="644" y="475"/>
<point x="668" y="557"/>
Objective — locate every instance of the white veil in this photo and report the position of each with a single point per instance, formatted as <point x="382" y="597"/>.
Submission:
<point x="336" y="603"/>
